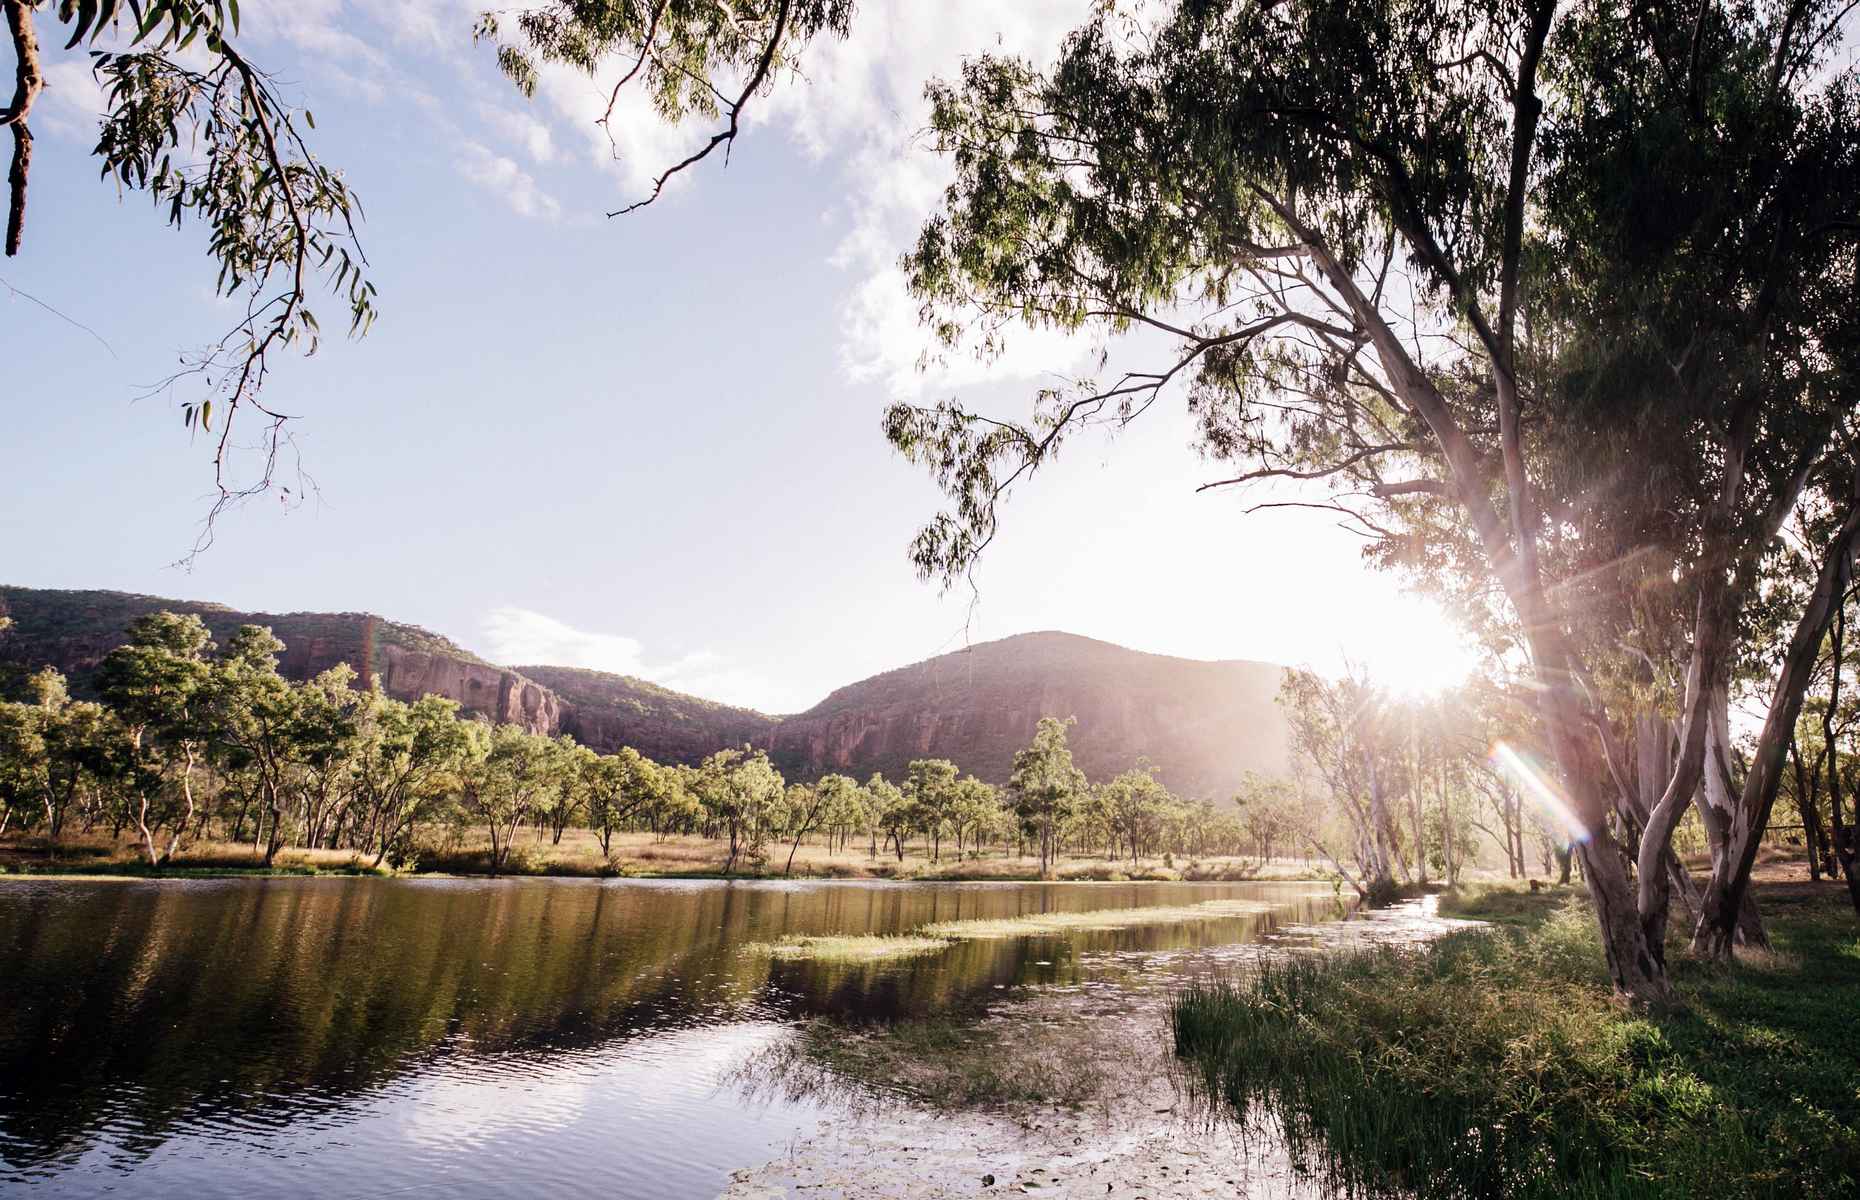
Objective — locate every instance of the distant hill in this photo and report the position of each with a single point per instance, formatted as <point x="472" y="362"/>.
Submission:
<point x="72" y="631"/>
<point x="609" y="711"/>
<point x="1204" y="724"/>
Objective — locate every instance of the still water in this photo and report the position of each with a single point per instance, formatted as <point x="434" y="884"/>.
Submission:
<point x="519" y="1038"/>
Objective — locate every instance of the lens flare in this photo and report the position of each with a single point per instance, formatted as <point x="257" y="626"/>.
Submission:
<point x="1535" y="783"/>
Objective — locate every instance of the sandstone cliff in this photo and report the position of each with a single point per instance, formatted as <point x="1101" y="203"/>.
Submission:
<point x="1203" y="724"/>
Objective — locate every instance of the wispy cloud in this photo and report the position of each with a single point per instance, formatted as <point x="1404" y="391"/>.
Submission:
<point x="863" y="108"/>
<point x="521" y="636"/>
<point x="503" y="178"/>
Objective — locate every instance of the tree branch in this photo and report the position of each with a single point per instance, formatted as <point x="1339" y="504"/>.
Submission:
<point x="28" y="82"/>
<point x="726" y="135"/>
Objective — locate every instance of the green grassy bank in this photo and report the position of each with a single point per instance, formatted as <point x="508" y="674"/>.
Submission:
<point x="1497" y="1063"/>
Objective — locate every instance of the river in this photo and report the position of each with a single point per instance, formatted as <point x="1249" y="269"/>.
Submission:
<point x="516" y="1038"/>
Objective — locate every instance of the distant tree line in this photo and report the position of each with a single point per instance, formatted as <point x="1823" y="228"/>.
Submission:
<point x="189" y="741"/>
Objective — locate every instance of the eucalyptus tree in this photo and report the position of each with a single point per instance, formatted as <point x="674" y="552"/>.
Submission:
<point x="1267" y="808"/>
<point x="1138" y="805"/>
<point x="931" y="785"/>
<point x="1341" y="214"/>
<point x="811" y="807"/>
<point x="1838" y="720"/>
<point x="567" y="794"/>
<point x="1340" y="732"/>
<point x="407" y="759"/>
<point x="157" y="683"/>
<point x="850" y="807"/>
<point x="976" y="812"/>
<point x="254" y="715"/>
<point x="889" y="812"/>
<point x="330" y="711"/>
<point x="24" y="764"/>
<point x="50" y="747"/>
<point x="620" y="787"/>
<point x="741" y="791"/>
<point x="1044" y="786"/>
<point x="506" y="776"/>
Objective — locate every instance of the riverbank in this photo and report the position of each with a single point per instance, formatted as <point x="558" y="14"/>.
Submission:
<point x="1059" y="1091"/>
<point x="579" y="855"/>
<point x="1374" y="1067"/>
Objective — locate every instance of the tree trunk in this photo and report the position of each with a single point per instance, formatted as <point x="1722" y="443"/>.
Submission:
<point x="1724" y="898"/>
<point x="1844" y="833"/>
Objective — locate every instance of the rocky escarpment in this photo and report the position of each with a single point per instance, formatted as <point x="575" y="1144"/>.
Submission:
<point x="1203" y="724"/>
<point x="73" y="630"/>
<point x="498" y="693"/>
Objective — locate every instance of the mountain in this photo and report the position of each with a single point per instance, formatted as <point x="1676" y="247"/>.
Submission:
<point x="72" y="631"/>
<point x="1203" y="724"/>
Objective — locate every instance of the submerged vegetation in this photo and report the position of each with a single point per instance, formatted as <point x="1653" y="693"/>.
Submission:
<point x="1056" y="923"/>
<point x="1497" y="1062"/>
<point x="938" y="935"/>
<point x="849" y="948"/>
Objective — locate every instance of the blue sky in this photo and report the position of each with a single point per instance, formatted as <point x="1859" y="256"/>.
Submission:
<point x="648" y="444"/>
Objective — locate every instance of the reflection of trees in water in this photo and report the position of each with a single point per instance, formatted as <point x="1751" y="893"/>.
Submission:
<point x="146" y="1007"/>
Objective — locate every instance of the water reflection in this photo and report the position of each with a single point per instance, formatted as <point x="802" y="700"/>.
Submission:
<point x="355" y="1036"/>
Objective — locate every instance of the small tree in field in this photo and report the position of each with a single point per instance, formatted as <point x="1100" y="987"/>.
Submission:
<point x="1045" y="785"/>
<point x="157" y="684"/>
<point x="741" y="791"/>
<point x="620" y="787"/>
<point x="930" y="784"/>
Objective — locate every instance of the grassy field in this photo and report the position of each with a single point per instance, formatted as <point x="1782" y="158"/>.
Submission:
<point x="1497" y="1063"/>
<point x="633" y="854"/>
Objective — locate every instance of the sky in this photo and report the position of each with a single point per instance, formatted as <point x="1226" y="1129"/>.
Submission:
<point x="649" y="444"/>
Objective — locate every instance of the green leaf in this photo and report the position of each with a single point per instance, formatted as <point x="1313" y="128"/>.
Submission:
<point x="86" y="13"/>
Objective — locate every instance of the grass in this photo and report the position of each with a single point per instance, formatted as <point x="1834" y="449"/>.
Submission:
<point x="853" y="949"/>
<point x="1057" y="923"/>
<point x="1497" y="1063"/>
<point x="867" y="948"/>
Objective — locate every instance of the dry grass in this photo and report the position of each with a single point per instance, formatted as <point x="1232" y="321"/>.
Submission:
<point x="467" y="852"/>
<point x="100" y="855"/>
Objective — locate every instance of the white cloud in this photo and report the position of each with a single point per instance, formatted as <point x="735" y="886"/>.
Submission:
<point x="72" y="103"/>
<point x="523" y="129"/>
<point x="863" y="105"/>
<point x="524" y="637"/>
<point x="509" y="182"/>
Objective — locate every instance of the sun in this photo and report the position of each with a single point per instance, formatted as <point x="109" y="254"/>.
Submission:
<point x="1410" y="647"/>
